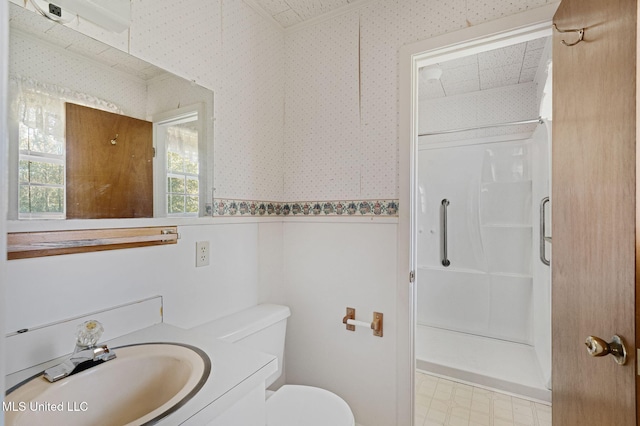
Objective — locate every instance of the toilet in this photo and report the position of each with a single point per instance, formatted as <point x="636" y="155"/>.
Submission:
<point x="262" y="328"/>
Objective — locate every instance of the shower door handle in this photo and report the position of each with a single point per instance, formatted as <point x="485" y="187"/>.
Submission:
<point x="543" y="233"/>
<point x="443" y="233"/>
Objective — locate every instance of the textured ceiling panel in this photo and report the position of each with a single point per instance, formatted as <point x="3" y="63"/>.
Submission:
<point x="287" y="18"/>
<point x="308" y="9"/>
<point x="528" y="74"/>
<point x="273" y="7"/>
<point x="73" y="41"/>
<point x="463" y="73"/>
<point x="461" y="62"/>
<point x="463" y="87"/>
<point x="499" y="76"/>
<point x="22" y="19"/>
<point x="487" y="70"/>
<point x="500" y="57"/>
<point x="532" y="58"/>
<point x="291" y="12"/>
<point x="431" y="89"/>
<point x="536" y="44"/>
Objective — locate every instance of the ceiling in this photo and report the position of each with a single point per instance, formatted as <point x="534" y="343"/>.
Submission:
<point x="497" y="68"/>
<point x="510" y="65"/>
<point x="32" y="24"/>
<point x="291" y="12"/>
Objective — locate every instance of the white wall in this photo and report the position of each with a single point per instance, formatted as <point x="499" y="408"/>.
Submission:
<point x="43" y="290"/>
<point x="329" y="267"/>
<point x="271" y="287"/>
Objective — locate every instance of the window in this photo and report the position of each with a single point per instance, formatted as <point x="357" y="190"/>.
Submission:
<point x="41" y="156"/>
<point x="182" y="170"/>
<point x="38" y="159"/>
<point x="177" y="138"/>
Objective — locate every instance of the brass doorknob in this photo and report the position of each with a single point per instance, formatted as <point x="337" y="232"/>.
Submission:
<point x="598" y="347"/>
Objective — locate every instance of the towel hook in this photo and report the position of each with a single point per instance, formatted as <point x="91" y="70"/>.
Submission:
<point x="579" y="31"/>
<point x="114" y="140"/>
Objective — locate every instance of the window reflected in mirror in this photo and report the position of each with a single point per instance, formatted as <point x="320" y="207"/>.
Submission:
<point x="177" y="145"/>
<point x="38" y="112"/>
<point x="41" y="160"/>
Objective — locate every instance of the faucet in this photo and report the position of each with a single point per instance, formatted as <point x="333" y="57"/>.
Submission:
<point x="85" y="355"/>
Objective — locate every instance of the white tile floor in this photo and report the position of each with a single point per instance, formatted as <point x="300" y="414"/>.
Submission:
<point x="441" y="402"/>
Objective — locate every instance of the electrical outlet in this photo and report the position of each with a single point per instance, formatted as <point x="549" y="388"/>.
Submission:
<point x="202" y="253"/>
<point x="55" y="10"/>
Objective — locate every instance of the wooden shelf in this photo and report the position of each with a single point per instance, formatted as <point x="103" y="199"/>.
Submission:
<point x="23" y="245"/>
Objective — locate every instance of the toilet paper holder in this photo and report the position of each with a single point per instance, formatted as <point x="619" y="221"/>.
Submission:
<point x="375" y="325"/>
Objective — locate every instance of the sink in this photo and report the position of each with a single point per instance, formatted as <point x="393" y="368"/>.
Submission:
<point x="143" y="384"/>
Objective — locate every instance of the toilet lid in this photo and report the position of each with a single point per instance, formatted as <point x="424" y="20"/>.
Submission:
<point x="309" y="406"/>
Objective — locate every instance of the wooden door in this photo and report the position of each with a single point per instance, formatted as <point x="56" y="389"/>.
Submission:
<point x="107" y="180"/>
<point x="594" y="211"/>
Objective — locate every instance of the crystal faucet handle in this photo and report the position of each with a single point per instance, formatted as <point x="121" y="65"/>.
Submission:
<point x="88" y="333"/>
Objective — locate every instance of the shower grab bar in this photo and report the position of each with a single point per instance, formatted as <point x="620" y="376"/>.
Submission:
<point x="445" y="261"/>
<point x="543" y="234"/>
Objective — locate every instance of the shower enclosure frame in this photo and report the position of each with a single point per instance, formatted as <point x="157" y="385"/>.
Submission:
<point x="514" y="29"/>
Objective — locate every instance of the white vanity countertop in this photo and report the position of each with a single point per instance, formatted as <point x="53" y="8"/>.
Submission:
<point x="233" y="371"/>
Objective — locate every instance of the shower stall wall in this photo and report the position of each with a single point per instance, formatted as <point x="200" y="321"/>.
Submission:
<point x="489" y="242"/>
<point x="479" y="200"/>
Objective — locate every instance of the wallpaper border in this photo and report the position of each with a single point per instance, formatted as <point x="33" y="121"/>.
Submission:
<point x="253" y="208"/>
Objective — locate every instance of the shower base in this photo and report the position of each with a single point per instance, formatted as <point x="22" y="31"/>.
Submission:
<point x="486" y="362"/>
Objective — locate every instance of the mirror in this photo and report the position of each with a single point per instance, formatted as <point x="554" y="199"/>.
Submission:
<point x="53" y="68"/>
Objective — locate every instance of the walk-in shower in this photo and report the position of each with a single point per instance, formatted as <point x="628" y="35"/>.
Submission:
<point x="483" y="279"/>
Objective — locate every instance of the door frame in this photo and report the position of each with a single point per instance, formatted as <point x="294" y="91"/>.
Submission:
<point x="495" y="34"/>
<point x="4" y="184"/>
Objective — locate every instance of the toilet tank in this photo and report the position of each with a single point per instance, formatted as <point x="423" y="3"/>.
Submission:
<point x="261" y="328"/>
